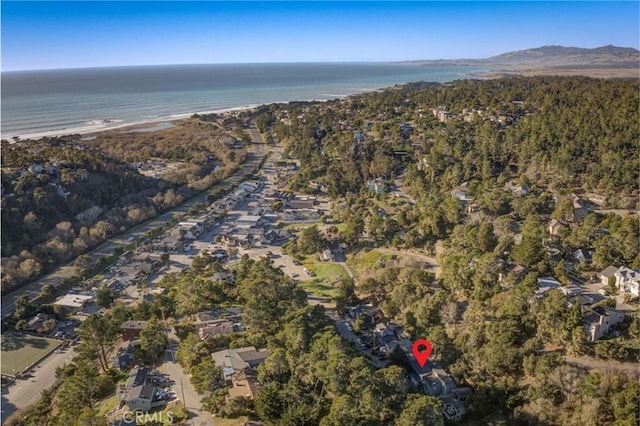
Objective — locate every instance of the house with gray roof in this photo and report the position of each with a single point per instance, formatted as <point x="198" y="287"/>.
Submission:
<point x="600" y="322"/>
<point x="137" y="393"/>
<point x="232" y="360"/>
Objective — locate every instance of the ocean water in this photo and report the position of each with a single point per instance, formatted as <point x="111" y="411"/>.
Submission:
<point x="85" y="100"/>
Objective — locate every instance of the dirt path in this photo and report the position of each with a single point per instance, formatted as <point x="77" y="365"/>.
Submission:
<point x="631" y="368"/>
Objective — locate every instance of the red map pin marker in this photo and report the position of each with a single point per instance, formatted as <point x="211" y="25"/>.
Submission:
<point x="421" y="356"/>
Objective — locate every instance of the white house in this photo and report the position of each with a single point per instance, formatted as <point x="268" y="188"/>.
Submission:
<point x="628" y="281"/>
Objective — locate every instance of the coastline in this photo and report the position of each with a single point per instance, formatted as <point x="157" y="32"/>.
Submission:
<point x="107" y="125"/>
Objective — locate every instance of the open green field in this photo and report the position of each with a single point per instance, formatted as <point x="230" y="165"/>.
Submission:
<point x="19" y="351"/>
<point x="327" y="277"/>
<point x="369" y="260"/>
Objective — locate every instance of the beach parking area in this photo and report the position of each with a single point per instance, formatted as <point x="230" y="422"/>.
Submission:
<point x="19" y="351"/>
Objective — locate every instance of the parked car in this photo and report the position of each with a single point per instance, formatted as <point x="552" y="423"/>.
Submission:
<point x="348" y="325"/>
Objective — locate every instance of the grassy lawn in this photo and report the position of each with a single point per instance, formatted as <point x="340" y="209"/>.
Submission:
<point x="341" y="227"/>
<point x="327" y="276"/>
<point x="367" y="260"/>
<point x="20" y="351"/>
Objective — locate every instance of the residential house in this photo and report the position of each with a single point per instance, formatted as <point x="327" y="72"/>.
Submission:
<point x="126" y="257"/>
<point x="545" y="284"/>
<point x="37" y="322"/>
<point x="571" y="291"/>
<point x="190" y="230"/>
<point x="232" y="360"/>
<point x="441" y="114"/>
<point x="628" y="281"/>
<point x="608" y="272"/>
<point x="131" y="329"/>
<point x="213" y="328"/>
<point x="557" y="228"/>
<point x="327" y="255"/>
<point x="370" y="314"/>
<point x="516" y="189"/>
<point x="511" y="268"/>
<point x="300" y="203"/>
<point x="582" y="255"/>
<point x="137" y="393"/>
<point x="580" y="207"/>
<point x="601" y="322"/>
<point x="462" y="193"/>
<point x="124" y="360"/>
<point x="376" y="185"/>
<point x="249" y="186"/>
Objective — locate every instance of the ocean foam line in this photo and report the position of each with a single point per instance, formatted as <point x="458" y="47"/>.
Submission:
<point x="117" y="124"/>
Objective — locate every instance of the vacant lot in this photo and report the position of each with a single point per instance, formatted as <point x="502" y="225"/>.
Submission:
<point x="19" y="351"/>
<point x="325" y="283"/>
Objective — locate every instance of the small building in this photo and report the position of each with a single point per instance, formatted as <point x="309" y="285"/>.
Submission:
<point x="327" y="255"/>
<point x="545" y="284"/>
<point x="37" y="322"/>
<point x="131" y="329"/>
<point x="462" y="193"/>
<point x="74" y="302"/>
<point x="516" y="189"/>
<point x="601" y="322"/>
<point x="557" y="228"/>
<point x="137" y="393"/>
<point x="608" y="272"/>
<point x="376" y="186"/>
<point x="582" y="255"/>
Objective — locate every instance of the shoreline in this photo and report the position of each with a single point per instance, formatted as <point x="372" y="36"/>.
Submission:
<point x="92" y="129"/>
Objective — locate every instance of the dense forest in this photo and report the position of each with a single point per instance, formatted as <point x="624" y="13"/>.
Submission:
<point x="556" y="132"/>
<point x="62" y="196"/>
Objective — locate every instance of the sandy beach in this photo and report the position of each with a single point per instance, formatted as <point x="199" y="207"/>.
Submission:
<point x="107" y="125"/>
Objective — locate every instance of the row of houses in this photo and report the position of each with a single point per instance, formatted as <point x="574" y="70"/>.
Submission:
<point x="598" y="321"/>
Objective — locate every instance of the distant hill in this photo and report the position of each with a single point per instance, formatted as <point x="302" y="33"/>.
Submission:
<point x="570" y="56"/>
<point x="602" y="62"/>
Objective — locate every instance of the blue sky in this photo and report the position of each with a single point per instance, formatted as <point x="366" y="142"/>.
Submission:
<point x="44" y="35"/>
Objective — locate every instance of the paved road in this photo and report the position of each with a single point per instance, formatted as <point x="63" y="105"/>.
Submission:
<point x="182" y="386"/>
<point x="123" y="240"/>
<point x="25" y="392"/>
<point x="341" y="327"/>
